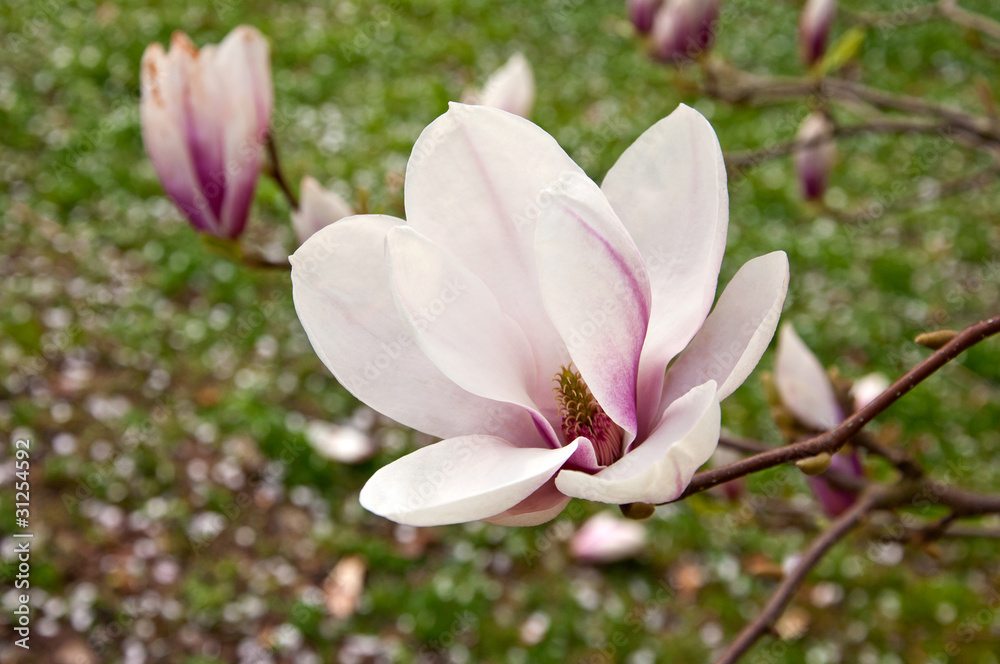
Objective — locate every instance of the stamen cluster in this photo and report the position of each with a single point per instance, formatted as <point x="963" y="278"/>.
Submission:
<point x="583" y="416"/>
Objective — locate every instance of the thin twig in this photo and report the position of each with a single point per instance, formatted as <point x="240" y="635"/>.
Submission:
<point x="831" y="441"/>
<point x="754" y="630"/>
<point x="755" y="157"/>
<point x="967" y="19"/>
<point x="744" y="444"/>
<point x="737" y="86"/>
<point x="275" y="172"/>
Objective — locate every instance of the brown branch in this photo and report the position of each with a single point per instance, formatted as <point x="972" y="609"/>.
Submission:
<point x="831" y="441"/>
<point x="895" y="455"/>
<point x="744" y="444"/>
<point x="754" y="157"/>
<point x="260" y="262"/>
<point x="275" y="172"/>
<point x="846" y="522"/>
<point x="737" y="86"/>
<point x="967" y="19"/>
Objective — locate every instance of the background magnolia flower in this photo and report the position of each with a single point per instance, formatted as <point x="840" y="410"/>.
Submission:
<point x="605" y="538"/>
<point x="205" y="116"/>
<point x="641" y="13"/>
<point x="527" y="317"/>
<point x="683" y="29"/>
<point x="814" y="29"/>
<point x="815" y="161"/>
<point x="806" y="391"/>
<point x="510" y="88"/>
<point x="318" y="208"/>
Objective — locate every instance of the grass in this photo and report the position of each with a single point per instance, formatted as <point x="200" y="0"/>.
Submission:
<point x="180" y="514"/>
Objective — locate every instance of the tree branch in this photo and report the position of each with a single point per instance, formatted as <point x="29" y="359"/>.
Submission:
<point x="786" y="589"/>
<point x="275" y="172"/>
<point x="967" y="19"/>
<point x="831" y="441"/>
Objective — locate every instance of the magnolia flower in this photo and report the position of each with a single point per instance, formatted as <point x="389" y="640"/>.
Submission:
<point x="319" y="208"/>
<point x="814" y="29"/>
<point x="683" y="29"/>
<point x="604" y="538"/>
<point x="815" y="161"/>
<point x="527" y="317"/>
<point x="510" y="88"/>
<point x="806" y="391"/>
<point x="204" y="117"/>
<point x="641" y="13"/>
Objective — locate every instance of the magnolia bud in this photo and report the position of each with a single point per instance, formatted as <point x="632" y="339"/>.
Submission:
<point x="683" y="29"/>
<point x="642" y="13"/>
<point x="510" y="88"/>
<point x="637" y="511"/>
<point x="814" y="160"/>
<point x="835" y="501"/>
<point x="319" y="208"/>
<point x="814" y="465"/>
<point x="205" y="117"/>
<point x="935" y="339"/>
<point x="867" y="388"/>
<point x="814" y="29"/>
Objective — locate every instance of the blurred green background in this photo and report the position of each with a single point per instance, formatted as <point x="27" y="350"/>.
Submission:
<point x="181" y="516"/>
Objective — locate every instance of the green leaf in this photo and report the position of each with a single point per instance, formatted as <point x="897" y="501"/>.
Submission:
<point x="845" y="49"/>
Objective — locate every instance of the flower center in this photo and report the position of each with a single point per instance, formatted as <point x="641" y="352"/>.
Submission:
<point x="583" y="416"/>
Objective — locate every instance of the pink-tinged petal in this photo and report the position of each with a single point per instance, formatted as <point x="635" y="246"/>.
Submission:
<point x="340" y="285"/>
<point x="460" y="479"/>
<point x="736" y="334"/>
<point x="545" y="504"/>
<point x="205" y="103"/>
<point x="803" y="384"/>
<point x="162" y="118"/>
<point x="596" y="291"/>
<point x="474" y="187"/>
<point x="252" y="54"/>
<point x="659" y="469"/>
<point x="459" y="325"/>
<point x="511" y="88"/>
<point x="669" y="189"/>
<point x="237" y="67"/>
<point x="318" y="209"/>
<point x="607" y="539"/>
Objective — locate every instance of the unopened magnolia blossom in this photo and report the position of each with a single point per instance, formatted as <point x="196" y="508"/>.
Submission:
<point x="318" y="209"/>
<point x="510" y="88"/>
<point x="683" y="29"/>
<point x="205" y="117"/>
<point x="814" y="161"/>
<point x="806" y="391"/>
<point x="815" y="23"/>
<point x="527" y="316"/>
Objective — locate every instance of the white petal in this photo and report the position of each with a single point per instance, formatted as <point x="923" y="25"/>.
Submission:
<point x="458" y="323"/>
<point x="474" y="187"/>
<point x="803" y="384"/>
<point x="318" y="209"/>
<point x="545" y="504"/>
<point x="661" y="467"/>
<point x="669" y="189"/>
<point x="596" y="291"/>
<point x="460" y="479"/>
<point x="733" y="338"/>
<point x="511" y="88"/>
<point x="340" y="284"/>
